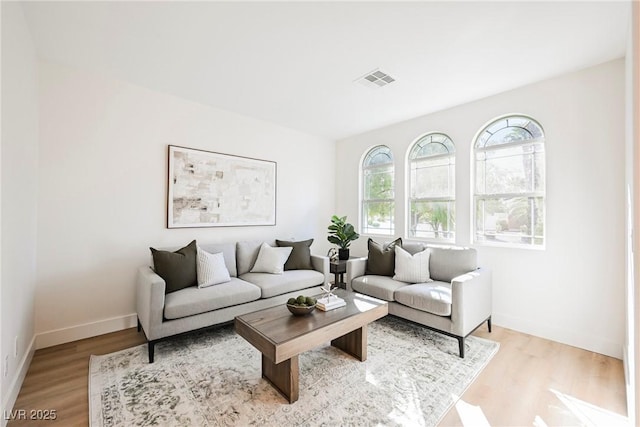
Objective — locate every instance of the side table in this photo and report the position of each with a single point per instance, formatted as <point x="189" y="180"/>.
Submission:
<point x="338" y="268"/>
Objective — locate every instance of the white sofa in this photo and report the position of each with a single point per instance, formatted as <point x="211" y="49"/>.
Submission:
<point x="163" y="315"/>
<point x="455" y="303"/>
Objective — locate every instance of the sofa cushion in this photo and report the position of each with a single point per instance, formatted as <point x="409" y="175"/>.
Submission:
<point x="289" y="281"/>
<point x="447" y="263"/>
<point x="300" y="258"/>
<point x="211" y="269"/>
<point x="413" y="247"/>
<point x="433" y="297"/>
<point x="247" y="254"/>
<point x="271" y="260"/>
<point x="192" y="301"/>
<point x="229" y="252"/>
<point x="178" y="269"/>
<point x="382" y="258"/>
<point x="381" y="287"/>
<point x="412" y="268"/>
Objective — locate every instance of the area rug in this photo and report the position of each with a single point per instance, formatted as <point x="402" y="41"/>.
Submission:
<point x="412" y="376"/>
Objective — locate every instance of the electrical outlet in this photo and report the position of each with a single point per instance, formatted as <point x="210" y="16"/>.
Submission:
<point x="15" y="347"/>
<point x="6" y="366"/>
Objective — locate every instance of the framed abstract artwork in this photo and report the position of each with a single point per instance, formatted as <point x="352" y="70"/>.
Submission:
<point x="208" y="189"/>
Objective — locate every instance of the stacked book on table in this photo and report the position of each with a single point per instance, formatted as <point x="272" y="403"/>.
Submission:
<point x="329" y="303"/>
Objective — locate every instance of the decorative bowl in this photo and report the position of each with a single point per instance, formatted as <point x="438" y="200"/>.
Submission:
<point x="300" y="310"/>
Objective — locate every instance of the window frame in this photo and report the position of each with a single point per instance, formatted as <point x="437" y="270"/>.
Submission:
<point x="531" y="195"/>
<point x="363" y="228"/>
<point x="411" y="158"/>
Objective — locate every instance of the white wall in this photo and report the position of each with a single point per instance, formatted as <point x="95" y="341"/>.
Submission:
<point x="631" y="71"/>
<point x="573" y="291"/>
<point x="633" y="180"/>
<point x="103" y="181"/>
<point x="19" y="201"/>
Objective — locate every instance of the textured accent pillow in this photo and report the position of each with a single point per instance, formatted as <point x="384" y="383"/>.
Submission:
<point x="271" y="260"/>
<point x="211" y="269"/>
<point x="382" y="258"/>
<point x="178" y="269"/>
<point x="412" y="268"/>
<point x="300" y="258"/>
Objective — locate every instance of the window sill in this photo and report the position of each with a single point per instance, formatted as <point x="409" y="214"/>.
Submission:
<point x="509" y="246"/>
<point x="391" y="236"/>
<point x="434" y="242"/>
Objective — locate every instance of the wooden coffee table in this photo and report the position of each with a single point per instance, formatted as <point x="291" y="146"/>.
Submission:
<point x="281" y="337"/>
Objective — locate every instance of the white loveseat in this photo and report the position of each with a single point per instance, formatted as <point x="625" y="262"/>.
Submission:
<point x="455" y="303"/>
<point x="163" y="315"/>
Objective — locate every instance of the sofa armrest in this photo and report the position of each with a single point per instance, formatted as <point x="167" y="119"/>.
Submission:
<point x="150" y="300"/>
<point x="355" y="268"/>
<point x="321" y="264"/>
<point x="471" y="300"/>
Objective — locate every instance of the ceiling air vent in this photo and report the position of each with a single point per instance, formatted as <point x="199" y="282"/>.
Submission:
<point x="376" y="79"/>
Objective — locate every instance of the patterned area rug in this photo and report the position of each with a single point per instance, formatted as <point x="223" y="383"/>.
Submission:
<point x="412" y="376"/>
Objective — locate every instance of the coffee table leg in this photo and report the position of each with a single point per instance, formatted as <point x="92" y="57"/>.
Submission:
<point x="354" y="343"/>
<point x="283" y="376"/>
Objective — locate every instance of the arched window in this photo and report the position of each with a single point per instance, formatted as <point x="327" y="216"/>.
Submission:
<point x="432" y="188"/>
<point x="377" y="192"/>
<point x="509" y="199"/>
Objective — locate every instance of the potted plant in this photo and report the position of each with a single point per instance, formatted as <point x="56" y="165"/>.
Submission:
<point x="342" y="233"/>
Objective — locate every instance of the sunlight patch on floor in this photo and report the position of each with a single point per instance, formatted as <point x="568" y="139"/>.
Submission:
<point x="588" y="414"/>
<point x="371" y="379"/>
<point x="407" y="409"/>
<point x="470" y="415"/>
<point x="539" y="422"/>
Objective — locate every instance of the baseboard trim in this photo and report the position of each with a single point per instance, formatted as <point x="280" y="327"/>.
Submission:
<point x="14" y="389"/>
<point x="584" y="341"/>
<point x="86" y="330"/>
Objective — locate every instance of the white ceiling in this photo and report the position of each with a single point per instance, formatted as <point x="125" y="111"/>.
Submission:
<point x="294" y="63"/>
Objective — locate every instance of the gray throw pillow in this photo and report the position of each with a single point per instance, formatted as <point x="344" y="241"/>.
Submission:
<point x="382" y="258"/>
<point x="300" y="258"/>
<point x="178" y="269"/>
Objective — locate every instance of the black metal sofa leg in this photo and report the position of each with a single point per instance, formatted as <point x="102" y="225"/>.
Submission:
<point x="461" y="346"/>
<point x="151" y="349"/>
<point x="489" y="323"/>
<point x="151" y="344"/>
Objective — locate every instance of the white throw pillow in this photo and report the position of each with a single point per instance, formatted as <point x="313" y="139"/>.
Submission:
<point x="412" y="268"/>
<point x="271" y="260"/>
<point x="211" y="269"/>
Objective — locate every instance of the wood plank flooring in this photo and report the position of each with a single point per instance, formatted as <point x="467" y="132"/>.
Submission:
<point x="58" y="378"/>
<point x="531" y="381"/>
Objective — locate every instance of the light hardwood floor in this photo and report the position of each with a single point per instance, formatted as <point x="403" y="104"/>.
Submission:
<point x="531" y="381"/>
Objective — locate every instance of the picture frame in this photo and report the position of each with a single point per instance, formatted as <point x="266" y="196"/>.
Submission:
<point x="210" y="189"/>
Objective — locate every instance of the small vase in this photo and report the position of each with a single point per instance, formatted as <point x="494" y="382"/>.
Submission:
<point x="343" y="254"/>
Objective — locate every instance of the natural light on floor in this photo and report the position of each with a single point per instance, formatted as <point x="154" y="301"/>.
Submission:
<point x="407" y="409"/>
<point x="590" y="415"/>
<point x="471" y="415"/>
<point x="585" y="413"/>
